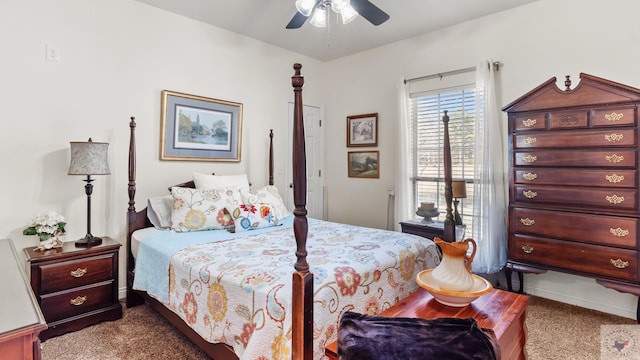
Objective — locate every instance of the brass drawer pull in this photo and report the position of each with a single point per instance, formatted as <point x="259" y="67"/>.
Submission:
<point x="619" y="232"/>
<point x="530" y="176"/>
<point x="530" y="140"/>
<point x="620" y="264"/>
<point x="529" y="194"/>
<point x="529" y="122"/>
<point x="530" y="158"/>
<point x="528" y="249"/>
<point x="78" y="272"/>
<point x="614" y="158"/>
<point x="81" y="299"/>
<point x="527" y="221"/>
<point x="615" y="199"/>
<point x="614" y="116"/>
<point x="614" y="178"/>
<point x="614" y="137"/>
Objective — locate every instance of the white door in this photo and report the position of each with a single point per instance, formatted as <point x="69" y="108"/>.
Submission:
<point x="314" y="149"/>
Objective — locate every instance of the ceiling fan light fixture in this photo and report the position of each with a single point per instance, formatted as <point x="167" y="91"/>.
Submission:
<point x="319" y="18"/>
<point x="305" y="7"/>
<point x="348" y="14"/>
<point x="338" y="5"/>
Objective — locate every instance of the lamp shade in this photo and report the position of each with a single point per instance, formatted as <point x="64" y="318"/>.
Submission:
<point x="459" y="189"/>
<point x="89" y="158"/>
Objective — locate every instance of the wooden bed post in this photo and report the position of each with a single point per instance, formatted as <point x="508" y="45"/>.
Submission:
<point x="302" y="287"/>
<point x="449" y="224"/>
<point x="270" y="156"/>
<point x="133" y="298"/>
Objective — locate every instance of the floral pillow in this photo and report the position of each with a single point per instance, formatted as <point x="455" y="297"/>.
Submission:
<point x="201" y="209"/>
<point x="267" y="195"/>
<point x="253" y="216"/>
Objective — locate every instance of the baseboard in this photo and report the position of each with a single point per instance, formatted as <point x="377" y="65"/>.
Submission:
<point x="122" y="293"/>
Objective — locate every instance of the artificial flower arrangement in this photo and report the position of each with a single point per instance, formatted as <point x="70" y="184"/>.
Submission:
<point x="46" y="226"/>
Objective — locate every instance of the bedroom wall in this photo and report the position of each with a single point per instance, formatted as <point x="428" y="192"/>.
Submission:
<point x="116" y="57"/>
<point x="534" y="43"/>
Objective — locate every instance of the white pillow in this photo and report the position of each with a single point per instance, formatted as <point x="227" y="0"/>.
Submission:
<point x="159" y="211"/>
<point x="203" y="209"/>
<point x="203" y="181"/>
<point x="269" y="195"/>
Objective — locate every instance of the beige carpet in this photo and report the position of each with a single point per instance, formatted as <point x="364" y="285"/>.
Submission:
<point x="555" y="331"/>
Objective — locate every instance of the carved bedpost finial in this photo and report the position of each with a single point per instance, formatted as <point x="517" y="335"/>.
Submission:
<point x="567" y="83"/>
<point x="132" y="166"/>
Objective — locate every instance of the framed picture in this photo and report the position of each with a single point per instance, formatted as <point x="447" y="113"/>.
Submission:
<point x="362" y="130"/>
<point x="198" y="128"/>
<point x="363" y="164"/>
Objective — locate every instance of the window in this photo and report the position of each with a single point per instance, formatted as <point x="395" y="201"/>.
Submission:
<point x="427" y="130"/>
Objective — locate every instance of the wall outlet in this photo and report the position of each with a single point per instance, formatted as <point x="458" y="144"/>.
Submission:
<point x="391" y="192"/>
<point x="53" y="53"/>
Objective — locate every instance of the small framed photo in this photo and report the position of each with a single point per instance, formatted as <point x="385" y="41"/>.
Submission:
<point x="362" y="130"/>
<point x="363" y="164"/>
<point x="198" y="128"/>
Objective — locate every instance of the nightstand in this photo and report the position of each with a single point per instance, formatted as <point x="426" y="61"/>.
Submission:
<point x="420" y="228"/>
<point x="75" y="287"/>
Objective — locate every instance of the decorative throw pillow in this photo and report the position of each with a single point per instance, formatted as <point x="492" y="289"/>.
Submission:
<point x="268" y="195"/>
<point x="253" y="216"/>
<point x="369" y="337"/>
<point x="201" y="209"/>
<point x="203" y="181"/>
<point x="159" y="211"/>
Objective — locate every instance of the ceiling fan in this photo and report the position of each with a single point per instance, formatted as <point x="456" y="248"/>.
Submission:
<point x="348" y="9"/>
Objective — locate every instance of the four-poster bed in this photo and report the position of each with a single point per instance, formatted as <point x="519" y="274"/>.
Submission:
<point x="247" y="277"/>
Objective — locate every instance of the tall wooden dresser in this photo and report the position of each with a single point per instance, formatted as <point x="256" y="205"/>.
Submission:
<point x="573" y="193"/>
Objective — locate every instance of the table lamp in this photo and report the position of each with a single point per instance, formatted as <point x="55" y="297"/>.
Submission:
<point x="89" y="158"/>
<point x="459" y="189"/>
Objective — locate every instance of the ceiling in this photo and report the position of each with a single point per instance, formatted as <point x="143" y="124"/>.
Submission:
<point x="265" y="20"/>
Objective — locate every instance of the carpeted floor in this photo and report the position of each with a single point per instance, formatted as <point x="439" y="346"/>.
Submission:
<point x="555" y="331"/>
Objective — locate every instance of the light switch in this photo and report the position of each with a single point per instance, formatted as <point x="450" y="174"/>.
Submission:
<point x="53" y="53"/>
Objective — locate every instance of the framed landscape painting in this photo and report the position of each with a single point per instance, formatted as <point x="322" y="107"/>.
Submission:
<point x="362" y="130"/>
<point x="198" y="128"/>
<point x="363" y="164"/>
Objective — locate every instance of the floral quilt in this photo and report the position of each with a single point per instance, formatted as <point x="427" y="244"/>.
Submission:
<point x="238" y="291"/>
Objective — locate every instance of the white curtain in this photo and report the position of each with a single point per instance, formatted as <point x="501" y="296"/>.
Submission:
<point x="403" y="197"/>
<point x="489" y="188"/>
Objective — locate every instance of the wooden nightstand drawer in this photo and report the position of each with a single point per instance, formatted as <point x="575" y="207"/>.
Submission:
<point x="70" y="303"/>
<point x="71" y="274"/>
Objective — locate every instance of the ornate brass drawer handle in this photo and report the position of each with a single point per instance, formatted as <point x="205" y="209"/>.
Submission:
<point x="530" y="158"/>
<point x="528" y="249"/>
<point x="81" y="299"/>
<point x="614" y="178"/>
<point x="614" y="137"/>
<point x="529" y="194"/>
<point x="619" y="263"/>
<point x="530" y="140"/>
<point x="614" y="116"/>
<point x="530" y="176"/>
<point x="529" y="122"/>
<point x="78" y="272"/>
<point x="614" y="158"/>
<point x="527" y="221"/>
<point x="619" y="232"/>
<point x="615" y="199"/>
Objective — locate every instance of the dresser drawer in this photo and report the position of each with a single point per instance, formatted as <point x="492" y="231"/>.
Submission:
<point x="576" y="158"/>
<point x="614" y="178"/>
<point x="576" y="139"/>
<point x="598" y="229"/>
<point x="618" y="116"/>
<point x="66" y="304"/>
<point x="595" y="198"/>
<point x="528" y="121"/>
<point x="585" y="258"/>
<point x="74" y="273"/>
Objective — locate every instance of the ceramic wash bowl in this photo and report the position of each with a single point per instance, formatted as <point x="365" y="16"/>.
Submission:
<point x="453" y="298"/>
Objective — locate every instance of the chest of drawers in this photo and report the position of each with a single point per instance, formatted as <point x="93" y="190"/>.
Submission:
<point x="573" y="193"/>
<point x="75" y="287"/>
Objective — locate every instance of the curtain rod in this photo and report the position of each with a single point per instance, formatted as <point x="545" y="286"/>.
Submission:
<point x="496" y="65"/>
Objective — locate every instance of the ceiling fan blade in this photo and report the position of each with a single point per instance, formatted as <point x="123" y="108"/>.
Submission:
<point x="297" y="21"/>
<point x="369" y="11"/>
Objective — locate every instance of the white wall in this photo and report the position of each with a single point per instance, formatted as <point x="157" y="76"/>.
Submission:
<point x="534" y="43"/>
<point x="117" y="56"/>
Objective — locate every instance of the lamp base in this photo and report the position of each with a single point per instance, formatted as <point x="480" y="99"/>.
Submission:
<point x="88" y="241"/>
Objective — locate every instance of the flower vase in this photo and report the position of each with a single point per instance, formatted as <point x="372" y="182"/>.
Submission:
<point x="51" y="243"/>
